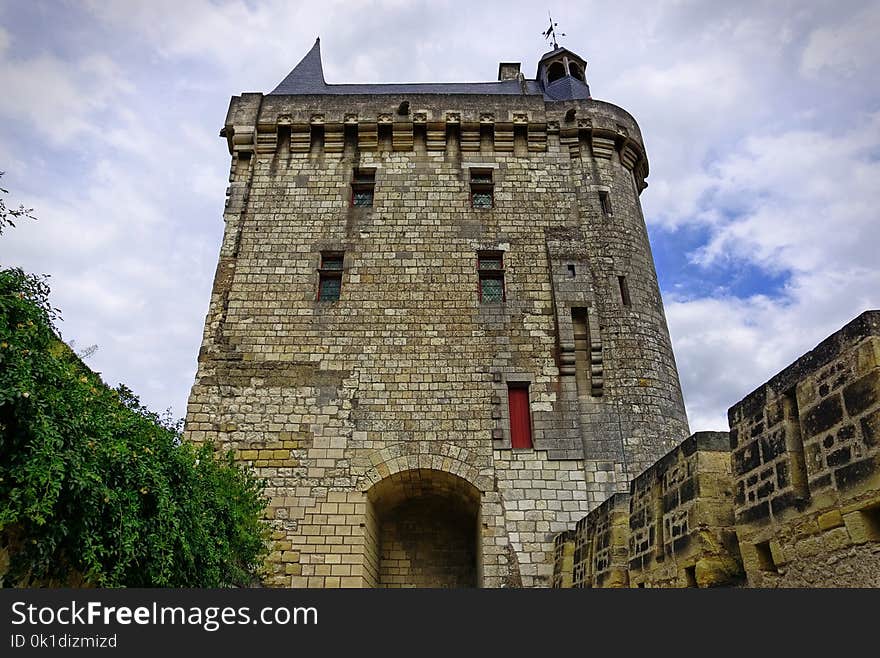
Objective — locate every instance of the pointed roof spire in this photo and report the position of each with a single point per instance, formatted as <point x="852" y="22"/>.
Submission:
<point x="307" y="77"/>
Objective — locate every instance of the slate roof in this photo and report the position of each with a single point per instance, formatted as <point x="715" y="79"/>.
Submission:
<point x="566" y="88"/>
<point x="308" y="78"/>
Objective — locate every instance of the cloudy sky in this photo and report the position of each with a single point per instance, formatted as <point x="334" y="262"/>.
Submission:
<point x="761" y="120"/>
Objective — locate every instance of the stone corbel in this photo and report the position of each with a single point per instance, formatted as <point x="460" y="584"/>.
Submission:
<point x="267" y="138"/>
<point x="537" y="136"/>
<point x="436" y="136"/>
<point x="402" y="136"/>
<point x="503" y="136"/>
<point x="603" y="145"/>
<point x="334" y="138"/>
<point x="568" y="136"/>
<point x="300" y="138"/>
<point x="243" y="139"/>
<point x="368" y="137"/>
<point x="470" y="136"/>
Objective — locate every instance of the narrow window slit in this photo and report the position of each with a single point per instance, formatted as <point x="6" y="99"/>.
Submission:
<point x="765" y="557"/>
<point x="624" y="291"/>
<point x="794" y="445"/>
<point x="605" y="201"/>
<point x="690" y="576"/>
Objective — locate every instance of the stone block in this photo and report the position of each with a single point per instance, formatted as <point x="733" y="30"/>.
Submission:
<point x="863" y="525"/>
<point x="828" y="520"/>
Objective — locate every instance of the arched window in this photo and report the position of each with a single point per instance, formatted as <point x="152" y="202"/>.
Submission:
<point x="575" y="71"/>
<point x="556" y="71"/>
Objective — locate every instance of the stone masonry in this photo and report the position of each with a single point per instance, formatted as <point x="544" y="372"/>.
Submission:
<point x="806" y="463"/>
<point x="790" y="498"/>
<point x="381" y="415"/>
<point x="601" y="545"/>
<point x="681" y="522"/>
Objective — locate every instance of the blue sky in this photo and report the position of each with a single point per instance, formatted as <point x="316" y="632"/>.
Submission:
<point x="761" y="121"/>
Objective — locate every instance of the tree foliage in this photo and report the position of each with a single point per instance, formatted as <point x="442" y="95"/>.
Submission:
<point x="94" y="486"/>
<point x="8" y="214"/>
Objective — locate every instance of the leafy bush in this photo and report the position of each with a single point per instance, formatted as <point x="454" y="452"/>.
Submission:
<point x="95" y="488"/>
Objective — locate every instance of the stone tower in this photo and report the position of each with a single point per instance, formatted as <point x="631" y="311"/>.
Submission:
<point x="435" y="327"/>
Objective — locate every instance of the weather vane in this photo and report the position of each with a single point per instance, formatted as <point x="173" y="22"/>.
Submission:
<point x="550" y="34"/>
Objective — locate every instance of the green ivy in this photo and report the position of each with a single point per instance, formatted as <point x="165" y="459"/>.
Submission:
<point x="94" y="486"/>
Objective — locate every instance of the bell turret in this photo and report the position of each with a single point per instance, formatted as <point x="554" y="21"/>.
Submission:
<point x="561" y="73"/>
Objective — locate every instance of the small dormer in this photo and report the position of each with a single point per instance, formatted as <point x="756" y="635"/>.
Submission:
<point x="562" y="75"/>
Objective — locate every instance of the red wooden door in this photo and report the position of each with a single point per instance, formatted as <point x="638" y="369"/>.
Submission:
<point x="520" y="421"/>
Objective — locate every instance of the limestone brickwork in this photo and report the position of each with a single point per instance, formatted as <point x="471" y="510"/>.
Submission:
<point x="601" y="556"/>
<point x="383" y="418"/>
<point x="365" y="413"/>
<point x="681" y="521"/>
<point x="790" y="498"/>
<point x="806" y="462"/>
<point x="563" y="560"/>
<point x="675" y="527"/>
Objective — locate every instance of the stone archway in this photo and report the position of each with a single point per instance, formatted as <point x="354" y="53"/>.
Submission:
<point x="423" y="530"/>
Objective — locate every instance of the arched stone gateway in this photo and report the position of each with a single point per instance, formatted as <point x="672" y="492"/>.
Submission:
<point x="423" y="530"/>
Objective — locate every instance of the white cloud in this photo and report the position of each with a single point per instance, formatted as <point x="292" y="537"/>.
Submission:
<point x="129" y="270"/>
<point x="846" y="49"/>
<point x="11" y="162"/>
<point x="788" y="190"/>
<point x="809" y="213"/>
<point x="236" y="36"/>
<point x="727" y="347"/>
<point x="61" y="99"/>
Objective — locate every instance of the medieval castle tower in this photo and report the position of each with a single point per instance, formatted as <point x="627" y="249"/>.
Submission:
<point x="435" y="327"/>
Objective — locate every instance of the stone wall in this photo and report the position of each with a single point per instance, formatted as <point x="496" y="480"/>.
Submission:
<point x="674" y="529"/>
<point x="539" y="497"/>
<point x="563" y="560"/>
<point x="601" y="545"/>
<point x="398" y="390"/>
<point x="790" y="499"/>
<point x="681" y="521"/>
<point x="807" y="466"/>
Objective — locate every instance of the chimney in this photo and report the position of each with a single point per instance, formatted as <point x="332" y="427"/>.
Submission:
<point x="508" y="70"/>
